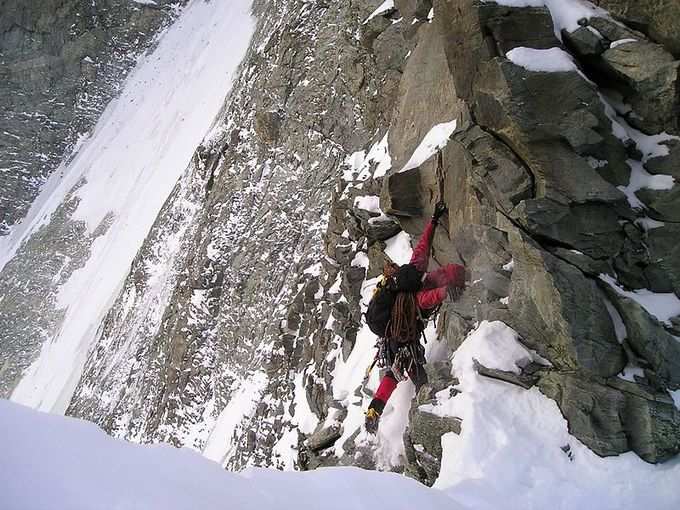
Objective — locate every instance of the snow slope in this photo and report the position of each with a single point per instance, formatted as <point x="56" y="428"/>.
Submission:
<point x="129" y="165"/>
<point x="56" y="462"/>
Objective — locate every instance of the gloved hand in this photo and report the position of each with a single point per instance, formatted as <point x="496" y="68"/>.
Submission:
<point x="439" y="210"/>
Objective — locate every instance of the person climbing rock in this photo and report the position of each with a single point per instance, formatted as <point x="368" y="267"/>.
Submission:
<point x="402" y="302"/>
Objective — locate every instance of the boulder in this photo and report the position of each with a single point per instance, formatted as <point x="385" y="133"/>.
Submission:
<point x="649" y="339"/>
<point x="559" y="312"/>
<point x="427" y="96"/>
<point x="584" y="42"/>
<point x="664" y="256"/>
<point x="549" y="120"/>
<point x="669" y="164"/>
<point x="649" y="78"/>
<point x="401" y="194"/>
<point x="591" y="228"/>
<point x="658" y="19"/>
<point x="633" y="258"/>
<point x="590" y="266"/>
<point x="324" y="437"/>
<point x="615" y="416"/>
<point x="510" y="27"/>
<point x="497" y="172"/>
<point x="664" y="204"/>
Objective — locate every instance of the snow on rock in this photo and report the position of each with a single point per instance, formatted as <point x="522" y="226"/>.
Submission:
<point x="565" y="13"/>
<point x="551" y="60"/>
<point x="360" y="164"/>
<point x="515" y="451"/>
<point x="51" y="461"/>
<point x="369" y="203"/>
<point x="386" y="6"/>
<point x="434" y="141"/>
<point x="399" y="248"/>
<point x="614" y="44"/>
<point x="125" y="171"/>
<point x="675" y="395"/>
<point x="663" y="306"/>
<point x="242" y="405"/>
<point x="640" y="179"/>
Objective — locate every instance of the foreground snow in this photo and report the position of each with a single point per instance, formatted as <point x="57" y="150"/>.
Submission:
<point x="125" y="171"/>
<point x="515" y="451"/>
<point x="51" y="462"/>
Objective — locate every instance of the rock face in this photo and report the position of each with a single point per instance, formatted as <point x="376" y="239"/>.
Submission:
<point x="62" y="62"/>
<point x="247" y="342"/>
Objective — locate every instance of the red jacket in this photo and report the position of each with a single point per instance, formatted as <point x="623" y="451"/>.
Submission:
<point x="436" y="282"/>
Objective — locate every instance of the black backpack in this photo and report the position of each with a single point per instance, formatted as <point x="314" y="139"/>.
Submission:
<point x="379" y="313"/>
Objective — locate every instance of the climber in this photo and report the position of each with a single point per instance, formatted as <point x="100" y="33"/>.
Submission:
<point x="412" y="295"/>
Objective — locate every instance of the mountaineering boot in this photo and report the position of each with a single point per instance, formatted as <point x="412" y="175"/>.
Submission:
<point x="372" y="420"/>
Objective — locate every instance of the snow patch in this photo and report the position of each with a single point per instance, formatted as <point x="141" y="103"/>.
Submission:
<point x="551" y="60"/>
<point x="614" y="44"/>
<point x="399" y="249"/>
<point x="243" y="403"/>
<point x="434" y="141"/>
<point x="384" y="7"/>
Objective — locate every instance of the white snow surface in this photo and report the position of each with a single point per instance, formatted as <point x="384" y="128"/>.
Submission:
<point x="434" y="141"/>
<point x="53" y="462"/>
<point x="370" y="203"/>
<point x="141" y="145"/>
<point x="510" y="451"/>
<point x="551" y="60"/>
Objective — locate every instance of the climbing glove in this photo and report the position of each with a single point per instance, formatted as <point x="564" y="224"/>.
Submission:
<point x="439" y="209"/>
